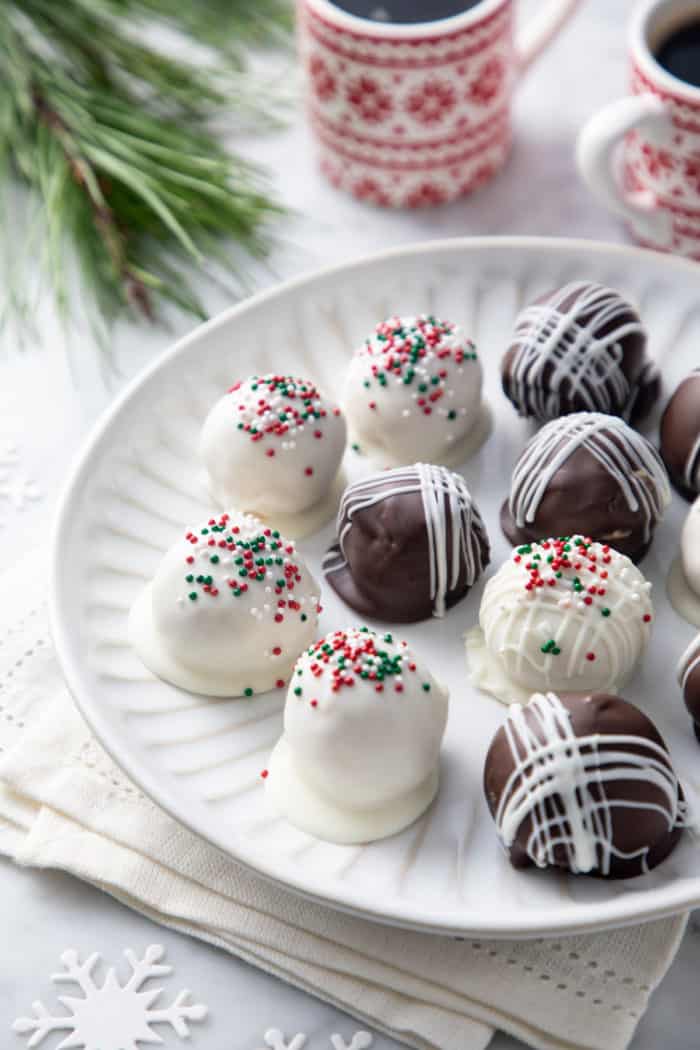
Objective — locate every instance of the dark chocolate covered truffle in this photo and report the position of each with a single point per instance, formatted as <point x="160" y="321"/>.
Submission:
<point x="410" y="544"/>
<point x="680" y="436"/>
<point x="587" y="473"/>
<point x="689" y="681"/>
<point x="580" y="348"/>
<point x="583" y="783"/>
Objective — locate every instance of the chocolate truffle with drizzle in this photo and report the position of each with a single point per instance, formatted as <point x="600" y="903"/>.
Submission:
<point x="588" y="472"/>
<point x="680" y="436"/>
<point x="580" y="348"/>
<point x="411" y="543"/>
<point x="585" y="784"/>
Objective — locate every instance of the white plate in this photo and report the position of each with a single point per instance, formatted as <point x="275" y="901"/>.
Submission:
<point x="137" y="483"/>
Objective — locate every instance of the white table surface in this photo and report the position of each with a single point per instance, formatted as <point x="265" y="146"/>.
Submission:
<point x="45" y="412"/>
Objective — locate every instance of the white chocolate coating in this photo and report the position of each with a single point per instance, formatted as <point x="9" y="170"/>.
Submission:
<point x="272" y="446"/>
<point x="413" y="392"/>
<point x="363" y="725"/>
<point x="684" y="577"/>
<point x="229" y="610"/>
<point x="552" y="763"/>
<point x="581" y="631"/>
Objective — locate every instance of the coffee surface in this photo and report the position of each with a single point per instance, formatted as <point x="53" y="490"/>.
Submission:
<point x="405" y="11"/>
<point x="679" y="54"/>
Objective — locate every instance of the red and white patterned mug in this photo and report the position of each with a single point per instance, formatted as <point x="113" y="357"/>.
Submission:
<point x="656" y="188"/>
<point x="415" y="114"/>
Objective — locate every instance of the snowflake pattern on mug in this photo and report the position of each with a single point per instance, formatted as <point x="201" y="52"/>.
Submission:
<point x="432" y="102"/>
<point x="488" y="82"/>
<point x="110" y="1015"/>
<point x="323" y="81"/>
<point x="370" y="100"/>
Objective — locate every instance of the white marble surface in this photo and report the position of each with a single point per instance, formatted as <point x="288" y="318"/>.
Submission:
<point x="45" y="411"/>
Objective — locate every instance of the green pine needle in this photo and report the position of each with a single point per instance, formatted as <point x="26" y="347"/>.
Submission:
<point x="112" y="137"/>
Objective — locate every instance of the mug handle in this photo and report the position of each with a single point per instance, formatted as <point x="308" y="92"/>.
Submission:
<point x="596" y="152"/>
<point x="541" y="30"/>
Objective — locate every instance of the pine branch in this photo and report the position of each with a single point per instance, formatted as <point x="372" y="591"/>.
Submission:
<point x="112" y="135"/>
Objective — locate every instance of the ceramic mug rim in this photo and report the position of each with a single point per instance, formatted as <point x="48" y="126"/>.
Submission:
<point x="379" y="31"/>
<point x="642" y="52"/>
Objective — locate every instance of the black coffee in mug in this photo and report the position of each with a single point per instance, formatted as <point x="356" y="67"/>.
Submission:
<point x="679" y="54"/>
<point x="405" y="11"/>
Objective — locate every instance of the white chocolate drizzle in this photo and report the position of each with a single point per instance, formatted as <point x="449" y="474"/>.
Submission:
<point x="688" y="662"/>
<point x="559" y="783"/>
<point x="570" y="346"/>
<point x="454" y="526"/>
<point x="627" y="456"/>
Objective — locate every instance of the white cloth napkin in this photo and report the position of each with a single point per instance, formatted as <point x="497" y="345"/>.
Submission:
<point x="63" y="804"/>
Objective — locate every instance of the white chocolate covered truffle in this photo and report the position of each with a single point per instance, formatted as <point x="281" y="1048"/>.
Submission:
<point x="231" y="607"/>
<point x="272" y="446"/>
<point x="413" y="393"/>
<point x="564" y="615"/>
<point x="684" y="577"/>
<point x="363" y="725"/>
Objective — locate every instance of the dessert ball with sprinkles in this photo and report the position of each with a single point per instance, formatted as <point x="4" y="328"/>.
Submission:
<point x="568" y="615"/>
<point x="583" y="784"/>
<point x="363" y="724"/>
<point x="680" y="436"/>
<point x="411" y="543"/>
<point x="581" y="348"/>
<point x="231" y="607"/>
<point x="272" y="446"/>
<point x="591" y="473"/>
<point x="413" y="391"/>
<point x="689" y="681"/>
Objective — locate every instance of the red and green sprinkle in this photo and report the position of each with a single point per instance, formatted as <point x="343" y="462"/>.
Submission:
<point x="254" y="558"/>
<point x="272" y="409"/>
<point x="574" y="565"/>
<point x="349" y="657"/>
<point x="418" y="353"/>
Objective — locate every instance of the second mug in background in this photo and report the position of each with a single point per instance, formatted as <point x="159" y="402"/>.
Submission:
<point x="409" y="113"/>
<point x="641" y="154"/>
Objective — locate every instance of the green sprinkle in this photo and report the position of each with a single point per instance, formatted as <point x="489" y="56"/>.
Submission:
<point x="192" y="596"/>
<point x="426" y="687"/>
<point x="248" y="691"/>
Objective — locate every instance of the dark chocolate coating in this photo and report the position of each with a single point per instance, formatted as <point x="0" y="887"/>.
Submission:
<point x="643" y="378"/>
<point x="632" y="829"/>
<point x="679" y="430"/>
<point x="584" y="498"/>
<point x="386" y="575"/>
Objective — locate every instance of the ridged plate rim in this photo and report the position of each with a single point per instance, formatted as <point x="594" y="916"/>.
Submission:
<point x="617" y="912"/>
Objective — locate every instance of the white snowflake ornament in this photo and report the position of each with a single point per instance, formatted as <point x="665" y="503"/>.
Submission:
<point x="360" y="1041"/>
<point x="274" y="1039"/>
<point x="111" y="1016"/>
